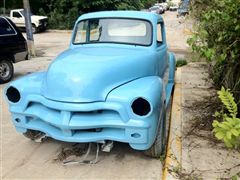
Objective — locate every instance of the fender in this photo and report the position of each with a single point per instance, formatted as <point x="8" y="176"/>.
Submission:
<point x="171" y="77"/>
<point x="33" y="85"/>
<point x="172" y="65"/>
<point x="150" y="88"/>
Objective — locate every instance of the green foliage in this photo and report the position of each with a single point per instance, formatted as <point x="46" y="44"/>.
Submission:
<point x="217" y="39"/>
<point x="228" y="129"/>
<point x="13" y="4"/>
<point x="181" y="62"/>
<point x="236" y="177"/>
<point x="63" y="13"/>
<point x="170" y="3"/>
<point x="148" y="3"/>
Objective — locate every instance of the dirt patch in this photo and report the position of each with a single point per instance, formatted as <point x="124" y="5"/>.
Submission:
<point x="68" y="151"/>
<point x="204" y="110"/>
<point x="201" y="123"/>
<point x="204" y="157"/>
<point x="200" y="142"/>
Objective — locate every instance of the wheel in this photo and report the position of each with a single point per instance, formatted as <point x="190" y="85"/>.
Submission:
<point x="43" y="29"/>
<point x="6" y="71"/>
<point x="34" y="29"/>
<point x="33" y="135"/>
<point x="158" y="147"/>
<point x="168" y="116"/>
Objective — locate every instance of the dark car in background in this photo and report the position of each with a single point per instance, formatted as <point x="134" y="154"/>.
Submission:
<point x="13" y="48"/>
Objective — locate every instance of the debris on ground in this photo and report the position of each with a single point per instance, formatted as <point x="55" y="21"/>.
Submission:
<point x="204" y="157"/>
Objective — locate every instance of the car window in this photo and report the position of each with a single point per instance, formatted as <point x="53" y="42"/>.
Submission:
<point x="6" y="28"/>
<point x="154" y="8"/>
<point x="159" y="34"/>
<point x="16" y="14"/>
<point x="81" y="32"/>
<point x="114" y="30"/>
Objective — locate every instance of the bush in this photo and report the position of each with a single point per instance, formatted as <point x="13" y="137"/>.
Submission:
<point x="181" y="62"/>
<point x="217" y="38"/>
<point x="227" y="127"/>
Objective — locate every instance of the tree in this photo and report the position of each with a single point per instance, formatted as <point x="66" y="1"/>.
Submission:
<point x="217" y="38"/>
<point x="63" y="13"/>
<point x="148" y="3"/>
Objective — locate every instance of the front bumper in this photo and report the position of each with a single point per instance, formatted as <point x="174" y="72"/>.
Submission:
<point x="82" y="122"/>
<point x="43" y="24"/>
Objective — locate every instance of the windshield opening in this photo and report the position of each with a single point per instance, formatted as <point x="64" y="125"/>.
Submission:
<point x="154" y="8"/>
<point x="113" y="30"/>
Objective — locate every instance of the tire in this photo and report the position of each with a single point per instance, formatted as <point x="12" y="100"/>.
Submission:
<point x="6" y="71"/>
<point x="43" y="29"/>
<point x="168" y="116"/>
<point x="32" y="134"/>
<point x="34" y="29"/>
<point x="159" y="146"/>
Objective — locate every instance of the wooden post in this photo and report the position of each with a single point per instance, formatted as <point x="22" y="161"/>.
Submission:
<point x="28" y="25"/>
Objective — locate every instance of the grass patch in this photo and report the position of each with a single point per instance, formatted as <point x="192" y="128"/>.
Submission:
<point x="181" y="62"/>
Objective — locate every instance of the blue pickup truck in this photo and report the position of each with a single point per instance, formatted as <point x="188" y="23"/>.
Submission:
<point x="114" y="83"/>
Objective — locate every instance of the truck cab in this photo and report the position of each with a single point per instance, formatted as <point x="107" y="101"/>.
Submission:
<point x="39" y="23"/>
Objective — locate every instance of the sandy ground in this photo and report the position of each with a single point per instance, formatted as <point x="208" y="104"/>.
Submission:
<point x="23" y="159"/>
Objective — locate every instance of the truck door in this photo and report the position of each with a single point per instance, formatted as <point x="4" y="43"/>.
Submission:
<point x="161" y="49"/>
<point x="18" y="19"/>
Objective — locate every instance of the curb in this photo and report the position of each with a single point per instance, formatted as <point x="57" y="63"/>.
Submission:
<point x="173" y="161"/>
<point x="59" y="31"/>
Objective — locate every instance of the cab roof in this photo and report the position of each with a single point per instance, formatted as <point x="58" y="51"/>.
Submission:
<point x="17" y="9"/>
<point x="122" y="14"/>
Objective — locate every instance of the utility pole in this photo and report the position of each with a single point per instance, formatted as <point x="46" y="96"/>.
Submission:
<point x="28" y="24"/>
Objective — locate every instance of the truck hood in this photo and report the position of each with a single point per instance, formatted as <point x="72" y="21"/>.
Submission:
<point x="88" y="74"/>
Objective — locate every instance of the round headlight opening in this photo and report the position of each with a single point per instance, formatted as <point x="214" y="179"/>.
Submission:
<point x="13" y="94"/>
<point x="141" y="107"/>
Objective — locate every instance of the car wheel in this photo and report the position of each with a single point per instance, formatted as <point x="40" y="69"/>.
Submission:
<point x="44" y="29"/>
<point x="168" y="117"/>
<point x="6" y="71"/>
<point x="34" y="29"/>
<point x="32" y="134"/>
<point x="158" y="147"/>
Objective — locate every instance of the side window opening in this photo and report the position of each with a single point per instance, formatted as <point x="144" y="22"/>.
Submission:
<point x="16" y="14"/>
<point x="159" y="34"/>
<point x="81" y="34"/>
